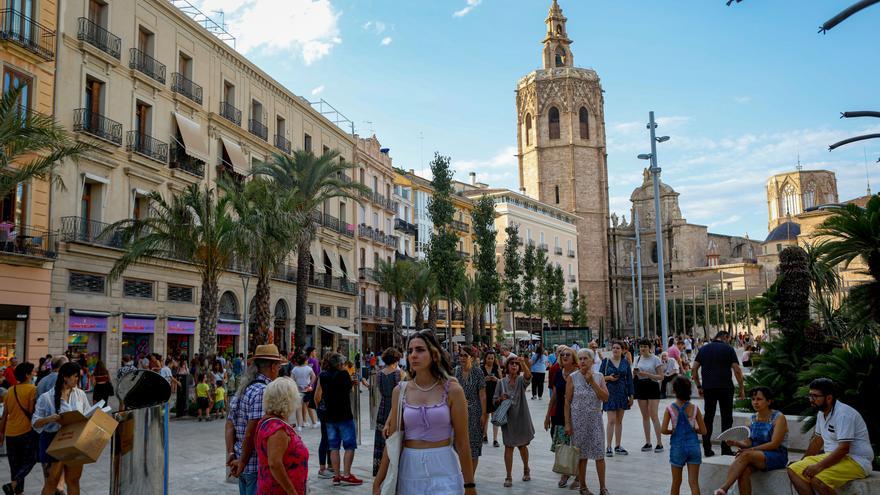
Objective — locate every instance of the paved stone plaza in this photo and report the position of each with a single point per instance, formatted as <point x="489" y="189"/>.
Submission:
<point x="197" y="454"/>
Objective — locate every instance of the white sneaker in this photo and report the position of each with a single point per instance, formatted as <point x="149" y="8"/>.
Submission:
<point x="299" y="429"/>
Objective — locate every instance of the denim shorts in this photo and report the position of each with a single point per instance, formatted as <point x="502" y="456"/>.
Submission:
<point x="679" y="455"/>
<point x="341" y="433"/>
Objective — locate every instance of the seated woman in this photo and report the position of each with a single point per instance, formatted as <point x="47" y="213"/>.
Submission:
<point x="765" y="449"/>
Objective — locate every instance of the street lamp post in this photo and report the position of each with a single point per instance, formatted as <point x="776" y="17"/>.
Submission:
<point x="245" y="281"/>
<point x="639" y="265"/>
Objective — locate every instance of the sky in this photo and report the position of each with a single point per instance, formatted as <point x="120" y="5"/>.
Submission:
<point x="744" y="91"/>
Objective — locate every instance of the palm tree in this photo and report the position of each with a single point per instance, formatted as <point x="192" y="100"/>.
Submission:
<point x="395" y="279"/>
<point x="308" y="181"/>
<point x="31" y="144"/>
<point x="422" y="292"/>
<point x="853" y="233"/>
<point x="266" y="231"/>
<point x="196" y="226"/>
<point x="467" y="295"/>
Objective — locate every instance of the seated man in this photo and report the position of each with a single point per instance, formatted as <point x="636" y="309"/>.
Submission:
<point x="840" y="450"/>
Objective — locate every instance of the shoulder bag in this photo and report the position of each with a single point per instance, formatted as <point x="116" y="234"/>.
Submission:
<point x="394" y="446"/>
<point x="27" y="413"/>
<point x="499" y="417"/>
<point x="567" y="459"/>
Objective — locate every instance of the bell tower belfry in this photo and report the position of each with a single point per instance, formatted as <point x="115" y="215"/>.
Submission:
<point x="562" y="155"/>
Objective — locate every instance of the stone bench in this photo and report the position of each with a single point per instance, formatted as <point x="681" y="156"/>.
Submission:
<point x="713" y="472"/>
<point x="797" y="441"/>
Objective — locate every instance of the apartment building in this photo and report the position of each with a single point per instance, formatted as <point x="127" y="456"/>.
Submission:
<point x="170" y="105"/>
<point x="546" y="227"/>
<point x="407" y="232"/>
<point x="27" y="249"/>
<point x="376" y="240"/>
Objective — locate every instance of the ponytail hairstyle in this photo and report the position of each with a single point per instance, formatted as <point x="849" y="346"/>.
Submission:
<point x="440" y="365"/>
<point x="67" y="370"/>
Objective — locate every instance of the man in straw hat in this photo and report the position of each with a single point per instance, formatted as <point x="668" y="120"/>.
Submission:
<point x="245" y="414"/>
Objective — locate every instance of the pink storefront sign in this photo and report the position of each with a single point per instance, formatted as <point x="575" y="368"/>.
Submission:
<point x="138" y="325"/>
<point x="228" y="328"/>
<point x="181" y="327"/>
<point x="86" y="324"/>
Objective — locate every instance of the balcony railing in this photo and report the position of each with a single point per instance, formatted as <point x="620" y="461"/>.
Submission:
<point x="405" y="227"/>
<point x="368" y="310"/>
<point x="571" y="253"/>
<point x="183" y="86"/>
<point x="182" y="161"/>
<point x="403" y="257"/>
<point x="572" y="279"/>
<point x="76" y="229"/>
<point x="26" y="33"/>
<point x="557" y="250"/>
<point x="146" y="145"/>
<point x="384" y="312"/>
<point x="282" y="143"/>
<point x="258" y="129"/>
<point x="146" y="64"/>
<point x="28" y="242"/>
<point x="460" y="226"/>
<point x="542" y="246"/>
<point x="367" y="274"/>
<point x="230" y="113"/>
<point x="89" y="122"/>
<point x="99" y="37"/>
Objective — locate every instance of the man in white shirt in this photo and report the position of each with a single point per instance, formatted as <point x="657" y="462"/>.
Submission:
<point x="840" y="451"/>
<point x="670" y="371"/>
<point x="505" y="355"/>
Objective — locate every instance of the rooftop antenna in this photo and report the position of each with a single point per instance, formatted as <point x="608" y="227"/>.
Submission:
<point x="799" y="167"/>
<point x="867" y="177"/>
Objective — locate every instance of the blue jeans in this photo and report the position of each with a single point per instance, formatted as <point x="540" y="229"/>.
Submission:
<point x="247" y="484"/>
<point x="343" y="433"/>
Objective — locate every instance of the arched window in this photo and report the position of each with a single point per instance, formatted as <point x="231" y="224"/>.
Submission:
<point x="228" y="306"/>
<point x="556" y="191"/>
<point x="790" y="203"/>
<point x="810" y="196"/>
<point x="280" y="325"/>
<point x="584" y="121"/>
<point x="528" y="129"/>
<point x="553" y="119"/>
<point x="560" y="57"/>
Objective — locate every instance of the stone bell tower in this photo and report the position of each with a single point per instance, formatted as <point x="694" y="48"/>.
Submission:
<point x="562" y="156"/>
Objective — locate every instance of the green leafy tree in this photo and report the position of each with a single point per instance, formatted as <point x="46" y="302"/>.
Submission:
<point x="32" y="144"/>
<point x="447" y="266"/>
<point x="579" y="309"/>
<point x="308" y="181"/>
<point x="195" y="226"/>
<point x="529" y="289"/>
<point x="511" y="284"/>
<point x="395" y="279"/>
<point x="421" y="293"/>
<point x="467" y="295"/>
<point x="487" y="280"/>
<point x="555" y="294"/>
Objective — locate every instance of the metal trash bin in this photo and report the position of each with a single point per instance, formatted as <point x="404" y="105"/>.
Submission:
<point x="139" y="448"/>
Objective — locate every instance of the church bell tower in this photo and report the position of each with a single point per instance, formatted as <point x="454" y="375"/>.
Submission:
<point x="562" y="155"/>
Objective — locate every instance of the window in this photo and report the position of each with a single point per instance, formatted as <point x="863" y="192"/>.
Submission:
<point x="541" y="237"/>
<point x="556" y="241"/>
<point x="143" y="114"/>
<point x="560" y="57"/>
<point x="362" y="176"/>
<point x="13" y="207"/>
<point x="810" y="196"/>
<point x="94" y="99"/>
<point x="228" y="307"/>
<point x="180" y="293"/>
<point x="139" y="289"/>
<point x="363" y="258"/>
<point x="375" y="220"/>
<point x="654" y="252"/>
<point x="97" y="13"/>
<point x="307" y="143"/>
<point x="553" y="119"/>
<point x="326" y="310"/>
<point x="325" y="149"/>
<point x="528" y="234"/>
<point x="12" y="79"/>
<point x="310" y="309"/>
<point x="280" y="126"/>
<point x="341" y="312"/>
<point x="584" y="121"/>
<point x="229" y="93"/>
<point x="145" y="41"/>
<point x="91" y="201"/>
<point x="140" y="205"/>
<point x="556" y="193"/>
<point x="87" y="282"/>
<point x="375" y="184"/>
<point x="790" y="201"/>
<point x="184" y="65"/>
<point x="528" y="129"/>
<point x="343" y="218"/>
<point x="362" y="214"/>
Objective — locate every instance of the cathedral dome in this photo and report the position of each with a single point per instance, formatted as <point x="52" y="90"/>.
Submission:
<point x="646" y="190"/>
<point x="784" y="232"/>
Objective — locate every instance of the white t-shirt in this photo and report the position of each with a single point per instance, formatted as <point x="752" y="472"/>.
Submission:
<point x="648" y="364"/>
<point x="845" y="424"/>
<point x="688" y="345"/>
<point x="302" y="375"/>
<point x="165" y="371"/>
<point x="671" y="367"/>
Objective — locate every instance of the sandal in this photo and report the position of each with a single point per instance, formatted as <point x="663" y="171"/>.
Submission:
<point x="508" y="482"/>
<point x="720" y="491"/>
<point x="603" y="491"/>
<point x="585" y="491"/>
<point x="563" y="482"/>
<point x="527" y="475"/>
<point x="575" y="485"/>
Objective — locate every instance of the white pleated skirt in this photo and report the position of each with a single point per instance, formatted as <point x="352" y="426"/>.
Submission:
<point x="435" y="471"/>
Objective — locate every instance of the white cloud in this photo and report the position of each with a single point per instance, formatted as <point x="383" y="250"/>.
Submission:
<point x="307" y="27"/>
<point x="318" y="90"/>
<point x="471" y="5"/>
<point x="377" y="27"/>
<point x="742" y="100"/>
<point x="499" y="170"/>
<point x="385" y="41"/>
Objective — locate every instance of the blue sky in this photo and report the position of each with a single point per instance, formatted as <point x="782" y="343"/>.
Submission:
<point x="741" y="90"/>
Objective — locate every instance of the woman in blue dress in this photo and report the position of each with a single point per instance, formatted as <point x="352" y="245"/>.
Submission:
<point x="618" y="378"/>
<point x="766" y="448"/>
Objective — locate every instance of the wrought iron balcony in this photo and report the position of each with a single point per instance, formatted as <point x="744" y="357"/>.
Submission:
<point x="542" y="246"/>
<point x="368" y="310"/>
<point x="80" y="230"/>
<point x="183" y="86"/>
<point x="405" y="227"/>
<point x="571" y="253"/>
<point x="367" y="274"/>
<point x="403" y="257"/>
<point x="460" y="226"/>
<point x="282" y="143"/>
<point x="182" y="161"/>
<point x="146" y="64"/>
<point x="557" y="250"/>
<point x="26" y="33"/>
<point x="384" y="312"/>
<point x="258" y="129"/>
<point x="89" y="122"/>
<point x="230" y="113"/>
<point x="99" y="37"/>
<point x="146" y="145"/>
<point x="27" y="242"/>
<point x="572" y="279"/>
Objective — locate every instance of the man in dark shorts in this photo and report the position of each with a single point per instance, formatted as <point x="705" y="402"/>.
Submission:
<point x="716" y="360"/>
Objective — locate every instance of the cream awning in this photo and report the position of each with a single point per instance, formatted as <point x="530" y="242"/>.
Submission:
<point x="339" y="331"/>
<point x="236" y="155"/>
<point x="194" y="141"/>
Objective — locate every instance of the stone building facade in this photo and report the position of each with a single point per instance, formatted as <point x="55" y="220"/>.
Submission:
<point x="792" y="193"/>
<point x="562" y="153"/>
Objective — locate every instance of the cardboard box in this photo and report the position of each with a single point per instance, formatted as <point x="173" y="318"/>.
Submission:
<point x="81" y="440"/>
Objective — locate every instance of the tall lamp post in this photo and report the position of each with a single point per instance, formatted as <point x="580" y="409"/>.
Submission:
<point x="658" y="224"/>
<point x="245" y="281"/>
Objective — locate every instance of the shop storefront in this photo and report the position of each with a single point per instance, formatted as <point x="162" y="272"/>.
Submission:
<point x="86" y="331"/>
<point x="13" y="331"/>
<point x="227" y="337"/>
<point x="180" y="336"/>
<point x="137" y="334"/>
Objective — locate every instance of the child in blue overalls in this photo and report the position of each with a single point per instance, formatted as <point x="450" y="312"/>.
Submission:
<point x="683" y="421"/>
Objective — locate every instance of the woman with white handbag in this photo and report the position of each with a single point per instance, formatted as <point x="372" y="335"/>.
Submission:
<point x="430" y="413"/>
<point x="585" y="391"/>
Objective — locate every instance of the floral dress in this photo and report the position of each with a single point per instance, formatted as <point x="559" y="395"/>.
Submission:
<point x="386" y="384"/>
<point x="296" y="458"/>
<point x="475" y="382"/>
<point x="588" y="432"/>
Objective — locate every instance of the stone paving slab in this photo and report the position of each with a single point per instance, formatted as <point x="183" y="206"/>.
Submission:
<point x="197" y="456"/>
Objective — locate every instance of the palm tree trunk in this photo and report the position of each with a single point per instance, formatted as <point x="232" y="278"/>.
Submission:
<point x="432" y="317"/>
<point x="449" y="324"/>
<point x="468" y="325"/>
<point x="479" y="323"/>
<point x="419" y="316"/>
<point x="263" y="313"/>
<point x="208" y="315"/>
<point x="398" y="322"/>
<point x="303" y="272"/>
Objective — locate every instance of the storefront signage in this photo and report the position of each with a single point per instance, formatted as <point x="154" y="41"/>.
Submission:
<point x="87" y="324"/>
<point x="19" y="313"/>
<point x="181" y="327"/>
<point x="228" y="328"/>
<point x="138" y="325"/>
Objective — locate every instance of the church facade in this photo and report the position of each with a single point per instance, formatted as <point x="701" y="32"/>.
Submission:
<point x="562" y="155"/>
